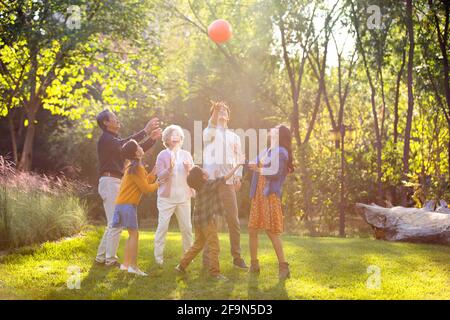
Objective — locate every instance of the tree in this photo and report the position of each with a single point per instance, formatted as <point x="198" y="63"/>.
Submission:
<point x="47" y="48"/>
<point x="345" y="70"/>
<point x="442" y="84"/>
<point x="367" y="38"/>
<point x="406" y="145"/>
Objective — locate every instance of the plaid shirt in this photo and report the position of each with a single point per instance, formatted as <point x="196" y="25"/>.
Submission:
<point x="208" y="203"/>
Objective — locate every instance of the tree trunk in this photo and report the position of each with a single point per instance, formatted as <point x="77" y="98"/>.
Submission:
<point x="409" y="114"/>
<point x="407" y="224"/>
<point x="306" y="188"/>
<point x="12" y="133"/>
<point x="342" y="197"/>
<point x="448" y="152"/>
<point x="379" y="147"/>
<point x="26" y="159"/>
<point x="378" y="136"/>
<point x="443" y="43"/>
<point x="397" y="95"/>
<point x="31" y="106"/>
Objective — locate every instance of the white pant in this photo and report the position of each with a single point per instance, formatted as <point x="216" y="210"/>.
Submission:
<point x="108" y="188"/>
<point x="183" y="213"/>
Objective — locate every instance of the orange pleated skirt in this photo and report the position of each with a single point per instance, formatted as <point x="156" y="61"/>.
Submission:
<point x="266" y="211"/>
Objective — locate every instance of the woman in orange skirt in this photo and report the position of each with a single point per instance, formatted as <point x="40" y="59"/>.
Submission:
<point x="269" y="173"/>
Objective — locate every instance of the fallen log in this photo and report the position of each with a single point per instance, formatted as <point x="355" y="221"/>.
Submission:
<point x="407" y="224"/>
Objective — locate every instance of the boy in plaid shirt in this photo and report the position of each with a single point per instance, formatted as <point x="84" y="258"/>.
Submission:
<point x="207" y="206"/>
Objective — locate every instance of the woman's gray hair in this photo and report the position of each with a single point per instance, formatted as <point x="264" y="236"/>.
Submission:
<point x="167" y="133"/>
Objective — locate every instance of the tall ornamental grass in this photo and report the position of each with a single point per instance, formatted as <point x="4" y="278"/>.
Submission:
<point x="37" y="208"/>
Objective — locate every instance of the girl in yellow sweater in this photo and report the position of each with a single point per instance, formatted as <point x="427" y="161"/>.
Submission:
<point x="135" y="182"/>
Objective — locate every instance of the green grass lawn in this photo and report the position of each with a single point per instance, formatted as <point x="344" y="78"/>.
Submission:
<point x="322" y="268"/>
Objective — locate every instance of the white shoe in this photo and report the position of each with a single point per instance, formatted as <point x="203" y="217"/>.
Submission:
<point x="137" y="271"/>
<point x="123" y="267"/>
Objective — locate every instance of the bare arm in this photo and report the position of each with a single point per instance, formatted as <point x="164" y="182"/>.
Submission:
<point x="143" y="184"/>
<point x="231" y="173"/>
<point x="210" y="130"/>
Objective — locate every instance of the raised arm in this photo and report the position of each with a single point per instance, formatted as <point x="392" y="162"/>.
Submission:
<point x="147" y="144"/>
<point x="231" y="173"/>
<point x="151" y="177"/>
<point x="152" y="132"/>
<point x="143" y="185"/>
<point x="210" y="130"/>
<point x="138" y="136"/>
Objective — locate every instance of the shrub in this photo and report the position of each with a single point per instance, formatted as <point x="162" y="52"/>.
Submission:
<point x="37" y="208"/>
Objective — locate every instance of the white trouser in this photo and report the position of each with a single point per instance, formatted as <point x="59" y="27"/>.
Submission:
<point x="183" y="213"/>
<point x="108" y="188"/>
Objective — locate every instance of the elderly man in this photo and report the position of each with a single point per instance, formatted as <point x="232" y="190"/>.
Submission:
<point x="111" y="169"/>
<point x="221" y="153"/>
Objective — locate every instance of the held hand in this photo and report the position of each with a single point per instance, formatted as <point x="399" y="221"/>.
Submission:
<point x="152" y="125"/>
<point x="253" y="166"/>
<point x="187" y="166"/>
<point x="153" y="172"/>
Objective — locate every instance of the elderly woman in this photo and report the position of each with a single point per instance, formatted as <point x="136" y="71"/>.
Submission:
<point x="174" y="195"/>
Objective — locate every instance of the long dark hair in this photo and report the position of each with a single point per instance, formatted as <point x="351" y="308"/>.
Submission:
<point x="285" y="141"/>
<point x="128" y="151"/>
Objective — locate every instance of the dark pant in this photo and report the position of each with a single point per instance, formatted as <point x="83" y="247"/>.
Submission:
<point x="227" y="194"/>
<point x="205" y="238"/>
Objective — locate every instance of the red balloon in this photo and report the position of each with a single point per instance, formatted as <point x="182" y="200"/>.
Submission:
<point x="220" y="31"/>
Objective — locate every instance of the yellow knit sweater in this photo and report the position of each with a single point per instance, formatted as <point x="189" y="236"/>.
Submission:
<point x="134" y="185"/>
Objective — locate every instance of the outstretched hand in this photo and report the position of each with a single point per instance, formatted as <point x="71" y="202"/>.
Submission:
<point x="156" y="134"/>
<point x="152" y="125"/>
<point x="215" y="115"/>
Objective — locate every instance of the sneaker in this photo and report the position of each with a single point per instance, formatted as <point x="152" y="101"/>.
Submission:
<point x="123" y="267"/>
<point x="112" y="264"/>
<point x="160" y="264"/>
<point x="220" y="277"/>
<point x="137" y="271"/>
<point x="240" y="263"/>
<point x="99" y="263"/>
<point x="180" y="270"/>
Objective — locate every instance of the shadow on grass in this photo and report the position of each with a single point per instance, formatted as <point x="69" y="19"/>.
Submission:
<point x="335" y="264"/>
<point x="277" y="292"/>
<point x="321" y="268"/>
<point x="103" y="282"/>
